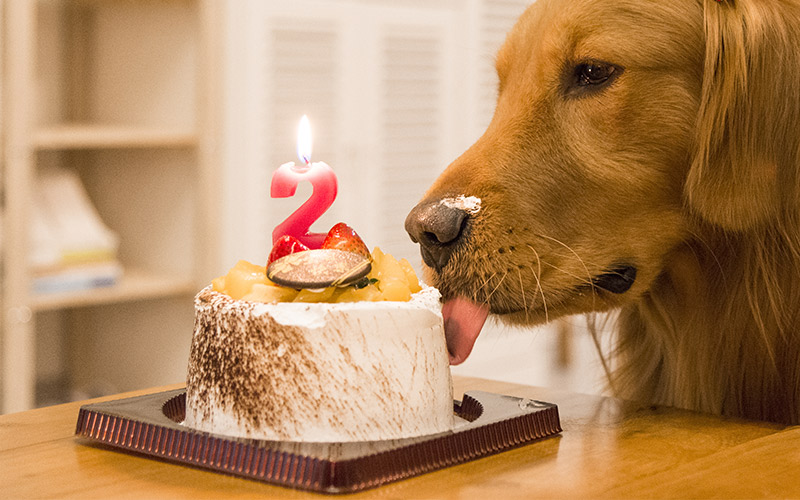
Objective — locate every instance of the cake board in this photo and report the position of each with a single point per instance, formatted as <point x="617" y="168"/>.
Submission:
<point x="487" y="423"/>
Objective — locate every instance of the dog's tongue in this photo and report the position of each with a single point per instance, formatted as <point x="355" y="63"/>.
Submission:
<point x="463" y="320"/>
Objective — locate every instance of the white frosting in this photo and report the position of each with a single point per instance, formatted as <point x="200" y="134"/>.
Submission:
<point x="293" y="314"/>
<point x="469" y="204"/>
<point x="319" y="372"/>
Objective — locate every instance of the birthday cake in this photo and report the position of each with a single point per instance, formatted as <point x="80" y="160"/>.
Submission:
<point x="358" y="361"/>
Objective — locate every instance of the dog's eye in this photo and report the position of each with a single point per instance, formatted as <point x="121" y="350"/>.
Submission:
<point x="594" y="73"/>
<point x="588" y="77"/>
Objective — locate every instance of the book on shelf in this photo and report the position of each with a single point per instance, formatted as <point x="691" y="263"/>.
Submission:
<point x="78" y="277"/>
<point x="71" y="248"/>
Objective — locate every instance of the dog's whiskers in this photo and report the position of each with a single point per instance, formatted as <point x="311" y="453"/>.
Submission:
<point x="478" y="290"/>
<point x="522" y="291"/>
<point x="489" y="297"/>
<point x="573" y="252"/>
<point x="579" y="278"/>
<point x="537" y="275"/>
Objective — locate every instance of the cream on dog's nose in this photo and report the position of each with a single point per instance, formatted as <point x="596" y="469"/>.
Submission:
<point x="437" y="227"/>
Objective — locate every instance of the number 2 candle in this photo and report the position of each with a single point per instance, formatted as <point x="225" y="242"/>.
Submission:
<point x="284" y="185"/>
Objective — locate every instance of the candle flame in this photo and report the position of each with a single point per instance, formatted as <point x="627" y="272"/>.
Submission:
<point x="304" y="140"/>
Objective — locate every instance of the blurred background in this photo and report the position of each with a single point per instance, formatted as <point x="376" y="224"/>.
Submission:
<point x="138" y="139"/>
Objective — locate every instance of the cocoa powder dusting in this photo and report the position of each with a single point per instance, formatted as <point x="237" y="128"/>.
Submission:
<point x="256" y="368"/>
<point x="272" y="376"/>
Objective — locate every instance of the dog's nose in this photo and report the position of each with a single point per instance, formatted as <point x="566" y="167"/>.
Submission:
<point x="437" y="227"/>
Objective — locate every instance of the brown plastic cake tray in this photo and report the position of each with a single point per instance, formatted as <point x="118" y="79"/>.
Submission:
<point x="487" y="424"/>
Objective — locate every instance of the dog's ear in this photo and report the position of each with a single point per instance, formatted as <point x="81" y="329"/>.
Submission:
<point x="746" y="152"/>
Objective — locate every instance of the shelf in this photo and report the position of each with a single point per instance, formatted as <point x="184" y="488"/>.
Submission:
<point x="134" y="285"/>
<point x="88" y="136"/>
<point x="92" y="94"/>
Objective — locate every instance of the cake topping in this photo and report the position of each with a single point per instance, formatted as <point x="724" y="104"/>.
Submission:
<point x="319" y="268"/>
<point x="285" y="245"/>
<point x="342" y="260"/>
<point x="389" y="279"/>
<point x="343" y="237"/>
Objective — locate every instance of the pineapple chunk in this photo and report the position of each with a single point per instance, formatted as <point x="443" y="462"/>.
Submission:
<point x="323" y="295"/>
<point x="351" y="294"/>
<point x="411" y="276"/>
<point x="394" y="288"/>
<point x="270" y="293"/>
<point x="218" y="284"/>
<point x="240" y="280"/>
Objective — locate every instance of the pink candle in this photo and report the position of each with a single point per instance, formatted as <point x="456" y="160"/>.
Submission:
<point x="284" y="185"/>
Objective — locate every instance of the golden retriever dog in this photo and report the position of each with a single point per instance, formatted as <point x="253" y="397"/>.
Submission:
<point x="643" y="157"/>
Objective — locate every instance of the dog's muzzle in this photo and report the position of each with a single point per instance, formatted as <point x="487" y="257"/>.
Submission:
<point x="437" y="228"/>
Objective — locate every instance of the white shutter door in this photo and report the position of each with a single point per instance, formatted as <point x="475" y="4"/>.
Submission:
<point x="495" y="19"/>
<point x="411" y="127"/>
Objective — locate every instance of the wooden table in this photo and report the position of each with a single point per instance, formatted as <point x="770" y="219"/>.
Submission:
<point x="609" y="449"/>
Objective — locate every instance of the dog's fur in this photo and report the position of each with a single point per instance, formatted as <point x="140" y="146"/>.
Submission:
<point x="684" y="165"/>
